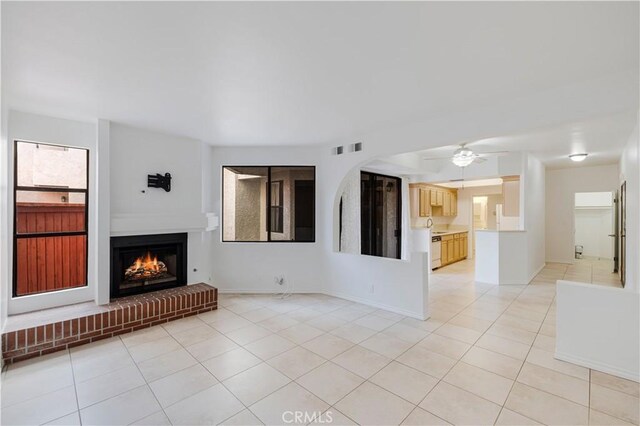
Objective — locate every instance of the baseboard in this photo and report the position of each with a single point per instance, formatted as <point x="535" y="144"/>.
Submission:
<point x="599" y="366"/>
<point x="532" y="276"/>
<point x="377" y="305"/>
<point x="256" y="291"/>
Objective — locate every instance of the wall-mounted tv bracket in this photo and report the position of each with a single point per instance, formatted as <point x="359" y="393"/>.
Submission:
<point x="159" y="181"/>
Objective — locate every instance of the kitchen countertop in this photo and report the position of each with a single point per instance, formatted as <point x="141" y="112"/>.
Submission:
<point x="441" y="233"/>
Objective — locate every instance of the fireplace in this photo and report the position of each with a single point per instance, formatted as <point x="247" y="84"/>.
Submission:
<point x="144" y="263"/>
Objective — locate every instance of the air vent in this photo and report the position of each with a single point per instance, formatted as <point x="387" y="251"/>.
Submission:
<point x="357" y="147"/>
<point x="338" y="150"/>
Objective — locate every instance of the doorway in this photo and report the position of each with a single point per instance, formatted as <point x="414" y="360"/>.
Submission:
<point x="380" y="198"/>
<point x="594" y="216"/>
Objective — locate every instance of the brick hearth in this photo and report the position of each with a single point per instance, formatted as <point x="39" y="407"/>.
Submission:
<point x="121" y="316"/>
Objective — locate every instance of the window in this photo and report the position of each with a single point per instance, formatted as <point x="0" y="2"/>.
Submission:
<point x="268" y="203"/>
<point x="380" y="215"/>
<point x="50" y="218"/>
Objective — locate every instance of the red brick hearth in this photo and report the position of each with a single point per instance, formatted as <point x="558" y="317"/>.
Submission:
<point x="121" y="316"/>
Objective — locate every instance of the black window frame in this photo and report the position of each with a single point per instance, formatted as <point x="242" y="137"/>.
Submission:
<point x="372" y="221"/>
<point x="277" y="209"/>
<point x="52" y="188"/>
<point x="268" y="202"/>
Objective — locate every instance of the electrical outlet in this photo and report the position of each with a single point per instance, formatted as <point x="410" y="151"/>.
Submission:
<point x="279" y="279"/>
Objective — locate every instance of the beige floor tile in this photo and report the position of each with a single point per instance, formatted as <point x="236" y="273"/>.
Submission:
<point x="404" y="381"/>
<point x="375" y="322"/>
<point x="231" y="363"/>
<point x="462" y="334"/>
<point x="371" y="405"/>
<point x="330" y="382"/>
<point x="459" y="407"/>
<point x="123" y="409"/>
<point x="420" y="417"/>
<point x="328" y="345"/>
<point x="444" y="346"/>
<point x="89" y="367"/>
<point x="296" y="362"/>
<point x="406" y="332"/>
<point x="597" y="418"/>
<point x="41" y="409"/>
<point x="353" y="332"/>
<point x="615" y="403"/>
<point x="326" y="323"/>
<point x="269" y="346"/>
<point x="212" y="347"/>
<point x="616" y="383"/>
<point x="29" y="379"/>
<point x="145" y="335"/>
<point x="277" y="323"/>
<point x="511" y="418"/>
<point x="246" y="335"/>
<point x="209" y="407"/>
<point x="545" y="407"/>
<point x="428" y="325"/>
<point x="300" y="333"/>
<point x="255" y="383"/>
<point x="156" y="419"/>
<point x="72" y="419"/>
<point x="230" y="324"/>
<point x="511" y="321"/>
<point x="258" y="315"/>
<point x="556" y="383"/>
<point x="282" y="406"/>
<point x="476" y="324"/>
<point x="333" y="417"/>
<point x="545" y="343"/>
<point x="147" y="350"/>
<point x="243" y="418"/>
<point x="426" y="361"/>
<point x="386" y="345"/>
<point x="511" y="333"/>
<point x="304" y="314"/>
<point x="163" y="365"/>
<point x="108" y="385"/>
<point x="180" y="385"/>
<point x="361" y="361"/>
<point x="195" y="334"/>
<point x="503" y="346"/>
<point x="545" y="359"/>
<point x="480" y="382"/>
<point x="183" y="324"/>
<point x="494" y="362"/>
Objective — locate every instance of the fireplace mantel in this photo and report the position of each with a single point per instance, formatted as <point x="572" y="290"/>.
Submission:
<point x="157" y="223"/>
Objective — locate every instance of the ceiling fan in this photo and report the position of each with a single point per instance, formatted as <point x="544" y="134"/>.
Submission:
<point x="464" y="156"/>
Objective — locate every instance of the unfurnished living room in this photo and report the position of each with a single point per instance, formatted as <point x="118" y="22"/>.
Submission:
<point x="323" y="213"/>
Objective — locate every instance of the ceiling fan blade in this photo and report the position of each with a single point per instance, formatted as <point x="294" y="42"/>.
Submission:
<point x="479" y="160"/>
<point x="436" y="158"/>
<point x="492" y="154"/>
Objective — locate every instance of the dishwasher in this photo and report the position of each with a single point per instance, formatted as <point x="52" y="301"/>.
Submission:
<point x="435" y="252"/>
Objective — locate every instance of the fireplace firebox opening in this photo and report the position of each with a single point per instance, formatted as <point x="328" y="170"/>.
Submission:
<point x="144" y="263"/>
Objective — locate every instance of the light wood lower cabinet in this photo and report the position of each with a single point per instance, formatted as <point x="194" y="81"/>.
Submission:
<point x="454" y="247"/>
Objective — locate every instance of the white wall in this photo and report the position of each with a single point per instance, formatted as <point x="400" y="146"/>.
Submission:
<point x="597" y="327"/>
<point x="561" y="186"/>
<point x="136" y="209"/>
<point x="532" y="184"/>
<point x="629" y="165"/>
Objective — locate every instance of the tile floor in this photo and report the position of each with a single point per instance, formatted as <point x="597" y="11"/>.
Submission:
<point x="484" y="357"/>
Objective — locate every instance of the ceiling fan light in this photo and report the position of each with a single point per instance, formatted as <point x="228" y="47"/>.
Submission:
<point x="463" y="160"/>
<point x="578" y="157"/>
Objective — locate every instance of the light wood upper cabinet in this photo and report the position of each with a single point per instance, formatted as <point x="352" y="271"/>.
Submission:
<point x="511" y="195"/>
<point x="431" y="200"/>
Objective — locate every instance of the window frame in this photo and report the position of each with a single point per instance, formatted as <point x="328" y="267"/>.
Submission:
<point x="17" y="236"/>
<point x="268" y="203"/>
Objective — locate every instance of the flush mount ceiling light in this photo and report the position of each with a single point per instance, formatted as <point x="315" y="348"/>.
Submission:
<point x="463" y="157"/>
<point x="578" y="157"/>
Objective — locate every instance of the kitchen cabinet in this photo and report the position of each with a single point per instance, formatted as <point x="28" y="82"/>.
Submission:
<point x="446" y="205"/>
<point x="425" y="204"/>
<point x="453" y="248"/>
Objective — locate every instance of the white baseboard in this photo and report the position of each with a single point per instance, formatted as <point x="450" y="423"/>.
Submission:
<point x="339" y="295"/>
<point x="599" y="366"/>
<point x="367" y="302"/>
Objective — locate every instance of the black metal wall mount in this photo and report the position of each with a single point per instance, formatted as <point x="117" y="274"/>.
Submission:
<point x="159" y="181"/>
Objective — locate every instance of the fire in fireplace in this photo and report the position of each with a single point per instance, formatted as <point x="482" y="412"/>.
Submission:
<point x="145" y="263"/>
